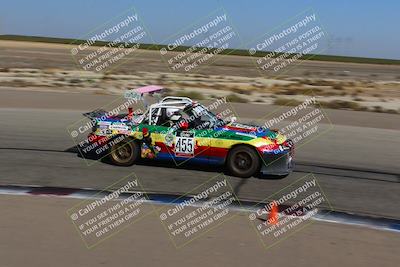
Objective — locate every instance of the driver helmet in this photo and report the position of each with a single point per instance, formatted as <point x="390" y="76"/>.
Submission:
<point x="176" y="116"/>
<point x="173" y="114"/>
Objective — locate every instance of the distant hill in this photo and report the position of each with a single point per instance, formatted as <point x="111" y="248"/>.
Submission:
<point x="237" y="52"/>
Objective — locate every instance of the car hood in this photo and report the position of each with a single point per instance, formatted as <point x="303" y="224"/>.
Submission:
<point x="253" y="131"/>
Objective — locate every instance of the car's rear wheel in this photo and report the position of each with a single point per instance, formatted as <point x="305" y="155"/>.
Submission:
<point x="243" y="161"/>
<point x="125" y="152"/>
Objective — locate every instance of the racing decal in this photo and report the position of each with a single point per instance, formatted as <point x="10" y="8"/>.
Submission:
<point x="103" y="127"/>
<point x="169" y="139"/>
<point x="184" y="144"/>
<point x="147" y="149"/>
<point x="104" y="123"/>
<point x="101" y="131"/>
<point x="119" y="127"/>
<point x="240" y="127"/>
<point x="246" y="134"/>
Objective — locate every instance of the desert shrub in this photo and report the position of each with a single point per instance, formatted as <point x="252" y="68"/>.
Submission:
<point x="342" y="104"/>
<point x="236" y="98"/>
<point x="338" y="87"/>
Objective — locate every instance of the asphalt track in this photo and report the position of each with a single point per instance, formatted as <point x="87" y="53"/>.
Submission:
<point x="357" y="166"/>
<point x="48" y="236"/>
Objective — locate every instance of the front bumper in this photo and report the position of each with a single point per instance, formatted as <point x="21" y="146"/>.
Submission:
<point x="277" y="164"/>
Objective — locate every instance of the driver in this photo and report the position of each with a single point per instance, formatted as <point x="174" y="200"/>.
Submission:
<point x="177" y="120"/>
<point x="173" y="116"/>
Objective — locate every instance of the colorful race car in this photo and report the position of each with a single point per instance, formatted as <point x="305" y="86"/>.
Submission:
<point x="181" y="130"/>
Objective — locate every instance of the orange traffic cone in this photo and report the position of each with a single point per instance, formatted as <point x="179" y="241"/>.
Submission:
<point x="273" y="213"/>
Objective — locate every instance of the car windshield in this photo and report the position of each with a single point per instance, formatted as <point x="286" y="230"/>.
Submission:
<point x="205" y="118"/>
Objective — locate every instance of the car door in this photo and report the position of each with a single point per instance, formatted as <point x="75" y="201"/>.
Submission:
<point x="157" y="131"/>
<point x="195" y="136"/>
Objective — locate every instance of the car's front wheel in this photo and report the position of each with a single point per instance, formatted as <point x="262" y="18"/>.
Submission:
<point x="243" y="161"/>
<point x="125" y="152"/>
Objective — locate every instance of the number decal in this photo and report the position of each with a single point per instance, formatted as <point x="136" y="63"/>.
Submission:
<point x="184" y="144"/>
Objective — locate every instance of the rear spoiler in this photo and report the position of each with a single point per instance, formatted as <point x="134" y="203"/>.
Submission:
<point x="129" y="94"/>
<point x="140" y="92"/>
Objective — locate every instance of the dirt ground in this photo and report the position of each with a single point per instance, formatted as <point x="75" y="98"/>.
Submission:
<point x="50" y="67"/>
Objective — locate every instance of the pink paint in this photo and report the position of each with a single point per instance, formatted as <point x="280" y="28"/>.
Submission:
<point x="149" y="89"/>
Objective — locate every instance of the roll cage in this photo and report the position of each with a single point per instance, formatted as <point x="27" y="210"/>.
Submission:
<point x="198" y="114"/>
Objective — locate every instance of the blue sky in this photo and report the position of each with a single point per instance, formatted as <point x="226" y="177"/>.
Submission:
<point x="363" y="28"/>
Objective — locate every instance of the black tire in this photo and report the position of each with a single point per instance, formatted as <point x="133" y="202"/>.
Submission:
<point x="243" y="161"/>
<point x="125" y="152"/>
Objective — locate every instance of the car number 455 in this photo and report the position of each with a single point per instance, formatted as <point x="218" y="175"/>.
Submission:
<point x="184" y="144"/>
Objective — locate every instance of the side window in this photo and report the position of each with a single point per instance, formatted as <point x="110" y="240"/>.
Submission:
<point x="153" y="116"/>
<point x="159" y="117"/>
<point x="162" y="117"/>
<point x="145" y="119"/>
<point x="197" y="121"/>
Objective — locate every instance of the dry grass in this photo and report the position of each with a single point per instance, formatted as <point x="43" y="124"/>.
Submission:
<point x="286" y="102"/>
<point x="190" y="94"/>
<point x="240" y="91"/>
<point x="338" y="87"/>
<point x="343" y="104"/>
<point x="236" y="98"/>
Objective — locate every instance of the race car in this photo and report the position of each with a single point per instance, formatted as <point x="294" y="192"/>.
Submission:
<point x="181" y="130"/>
